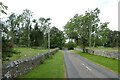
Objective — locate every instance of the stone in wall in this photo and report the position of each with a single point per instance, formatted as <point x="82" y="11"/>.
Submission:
<point x="108" y="54"/>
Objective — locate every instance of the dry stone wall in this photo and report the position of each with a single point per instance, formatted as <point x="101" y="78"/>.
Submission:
<point x="108" y="54"/>
<point x="22" y="66"/>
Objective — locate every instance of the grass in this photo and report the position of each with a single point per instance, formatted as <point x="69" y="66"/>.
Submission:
<point x="24" y="53"/>
<point x="108" y="63"/>
<point x="51" y="68"/>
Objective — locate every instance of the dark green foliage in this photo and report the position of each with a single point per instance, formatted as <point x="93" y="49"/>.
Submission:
<point x="118" y="39"/>
<point x="56" y="38"/>
<point x="6" y="48"/>
<point x="113" y="39"/>
<point x="70" y="45"/>
<point x="36" y="38"/>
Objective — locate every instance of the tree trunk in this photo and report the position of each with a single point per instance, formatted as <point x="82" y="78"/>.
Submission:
<point x="94" y="41"/>
<point x="90" y="37"/>
<point x="12" y="38"/>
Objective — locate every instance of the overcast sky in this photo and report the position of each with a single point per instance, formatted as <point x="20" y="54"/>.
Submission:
<point x="60" y="11"/>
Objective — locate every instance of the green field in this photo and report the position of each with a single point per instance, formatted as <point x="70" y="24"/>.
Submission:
<point x="24" y="53"/>
<point x="108" y="63"/>
<point x="51" y="68"/>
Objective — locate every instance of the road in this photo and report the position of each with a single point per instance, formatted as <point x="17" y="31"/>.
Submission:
<point x="79" y="67"/>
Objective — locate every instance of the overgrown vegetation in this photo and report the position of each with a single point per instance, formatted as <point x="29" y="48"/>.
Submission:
<point x="51" y="68"/>
<point x="109" y="63"/>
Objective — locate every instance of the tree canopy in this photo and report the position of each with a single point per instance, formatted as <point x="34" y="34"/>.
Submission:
<point x="87" y="30"/>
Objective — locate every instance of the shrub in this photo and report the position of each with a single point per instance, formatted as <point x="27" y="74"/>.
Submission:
<point x="7" y="48"/>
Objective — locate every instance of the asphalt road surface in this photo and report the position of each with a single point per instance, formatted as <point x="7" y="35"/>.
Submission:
<point x="79" y="67"/>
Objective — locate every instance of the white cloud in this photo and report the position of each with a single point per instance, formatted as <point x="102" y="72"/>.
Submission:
<point x="109" y="13"/>
<point x="62" y="10"/>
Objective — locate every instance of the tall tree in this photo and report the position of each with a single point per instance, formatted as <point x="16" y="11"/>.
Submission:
<point x="36" y="35"/>
<point x="45" y="26"/>
<point x="4" y="41"/>
<point x="103" y="33"/>
<point x="56" y="38"/>
<point x="27" y="15"/>
<point x="86" y="29"/>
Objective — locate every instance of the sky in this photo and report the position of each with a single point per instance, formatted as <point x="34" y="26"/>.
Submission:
<point x="61" y="11"/>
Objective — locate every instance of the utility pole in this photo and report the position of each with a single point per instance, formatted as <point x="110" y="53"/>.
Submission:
<point x="0" y="44"/>
<point x="49" y="40"/>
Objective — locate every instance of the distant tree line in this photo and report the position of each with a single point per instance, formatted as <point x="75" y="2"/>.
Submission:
<point x="24" y="31"/>
<point x="87" y="31"/>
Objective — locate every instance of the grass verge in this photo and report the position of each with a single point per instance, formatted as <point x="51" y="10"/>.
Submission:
<point x="51" y="68"/>
<point x="108" y="63"/>
<point x="24" y="53"/>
